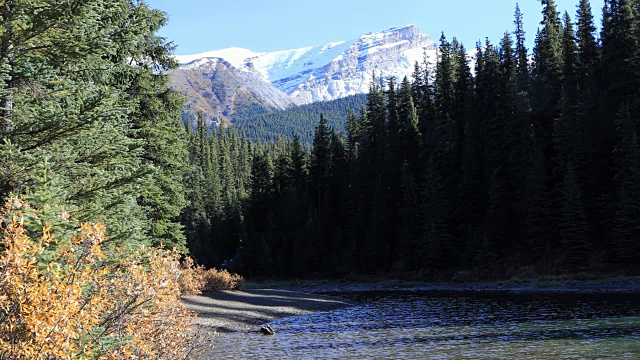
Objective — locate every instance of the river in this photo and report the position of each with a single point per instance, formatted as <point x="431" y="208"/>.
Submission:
<point x="452" y="325"/>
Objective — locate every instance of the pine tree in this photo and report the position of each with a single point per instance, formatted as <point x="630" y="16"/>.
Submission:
<point x="282" y="169"/>
<point x="435" y="242"/>
<point x="375" y="252"/>
<point x="620" y="54"/>
<point x="513" y="119"/>
<point x="547" y="75"/>
<point x="337" y="170"/>
<point x="491" y="84"/>
<point x="522" y="61"/>
<point x="566" y="127"/>
<point x="573" y="226"/>
<point x="409" y="214"/>
<point x="473" y="187"/>
<point x="375" y="123"/>
<point x="393" y="159"/>
<point x="298" y="174"/>
<point x="548" y="51"/>
<point x="445" y="137"/>
<point x="508" y="109"/>
<point x="588" y="54"/>
<point x="411" y="138"/>
<point x="463" y="95"/>
<point x="496" y="223"/>
<point x="443" y="84"/>
<point x="422" y="92"/>
<point x="588" y="121"/>
<point x="537" y="227"/>
<point x="392" y="121"/>
<point x="486" y="82"/>
<point x="353" y="132"/>
<point x="624" y="237"/>
<point x="617" y="89"/>
<point x="156" y="122"/>
<point x="335" y="205"/>
<point x="104" y="116"/>
<point x="320" y="162"/>
<point x="195" y="216"/>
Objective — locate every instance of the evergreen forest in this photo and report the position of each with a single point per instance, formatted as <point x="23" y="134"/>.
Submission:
<point x="517" y="162"/>
<point x="261" y="126"/>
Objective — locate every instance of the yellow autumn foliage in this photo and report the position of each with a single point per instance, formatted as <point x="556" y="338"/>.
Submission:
<point x="196" y="278"/>
<point x="69" y="300"/>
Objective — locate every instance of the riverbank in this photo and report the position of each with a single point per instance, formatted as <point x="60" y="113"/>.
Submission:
<point x="230" y="311"/>
<point x="266" y="301"/>
<point x="469" y="325"/>
<point x="545" y="285"/>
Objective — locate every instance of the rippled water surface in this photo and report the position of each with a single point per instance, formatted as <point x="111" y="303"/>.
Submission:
<point x="453" y="326"/>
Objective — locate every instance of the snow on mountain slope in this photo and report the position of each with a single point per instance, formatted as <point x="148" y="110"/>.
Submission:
<point x="235" y="56"/>
<point x="329" y="71"/>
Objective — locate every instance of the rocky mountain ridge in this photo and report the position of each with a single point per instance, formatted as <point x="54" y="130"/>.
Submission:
<point x="221" y="82"/>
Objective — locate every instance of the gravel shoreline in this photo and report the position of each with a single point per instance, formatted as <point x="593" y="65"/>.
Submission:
<point x="230" y="311"/>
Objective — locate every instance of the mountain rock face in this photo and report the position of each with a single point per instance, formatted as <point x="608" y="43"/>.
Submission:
<point x="217" y="88"/>
<point x="218" y="82"/>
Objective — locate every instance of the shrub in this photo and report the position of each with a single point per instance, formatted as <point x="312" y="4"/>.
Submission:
<point x="217" y="280"/>
<point x="192" y="279"/>
<point x="196" y="279"/>
<point x="62" y="299"/>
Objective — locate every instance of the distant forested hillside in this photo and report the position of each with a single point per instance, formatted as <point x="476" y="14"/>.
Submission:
<point x="525" y="165"/>
<point x="301" y="120"/>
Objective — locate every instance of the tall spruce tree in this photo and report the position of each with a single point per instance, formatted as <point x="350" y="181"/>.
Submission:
<point x="620" y="54"/>
<point x="422" y="92"/>
<point x="463" y="95"/>
<point x="393" y="159"/>
<point x="588" y="121"/>
<point x="547" y="75"/>
<point x="85" y="89"/>
<point x="411" y="138"/>
<point x="588" y="52"/>
<point x="434" y="245"/>
<point x="320" y="162"/>
<point x="409" y="215"/>
<point x="504" y="137"/>
<point x="537" y="227"/>
<point x="624" y="237"/>
<point x="522" y="61"/>
<point x="443" y="84"/>
<point x="566" y="126"/>
<point x="573" y="225"/>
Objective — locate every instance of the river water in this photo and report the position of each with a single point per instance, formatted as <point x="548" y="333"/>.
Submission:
<point x="428" y="325"/>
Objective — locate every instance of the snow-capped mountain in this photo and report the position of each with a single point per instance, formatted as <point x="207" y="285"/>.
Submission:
<point x="304" y="75"/>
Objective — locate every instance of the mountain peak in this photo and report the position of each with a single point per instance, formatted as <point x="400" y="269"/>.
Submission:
<point x="234" y="55"/>
<point x="404" y="28"/>
<point x="409" y="28"/>
<point x="318" y="73"/>
<point x="409" y="33"/>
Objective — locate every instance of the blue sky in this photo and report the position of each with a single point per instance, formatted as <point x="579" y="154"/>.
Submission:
<point x="268" y="25"/>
